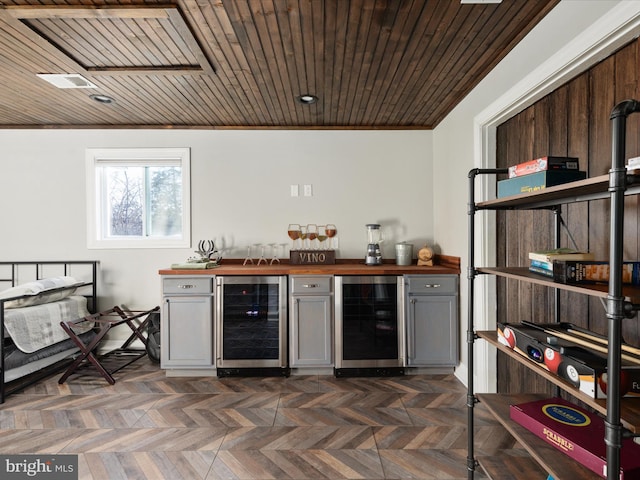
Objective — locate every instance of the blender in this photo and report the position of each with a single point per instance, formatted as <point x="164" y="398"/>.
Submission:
<point x="374" y="257"/>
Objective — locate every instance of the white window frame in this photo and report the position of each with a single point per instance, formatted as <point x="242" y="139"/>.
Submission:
<point x="95" y="221"/>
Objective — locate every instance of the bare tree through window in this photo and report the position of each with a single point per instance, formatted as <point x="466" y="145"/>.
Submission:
<point x="144" y="201"/>
<point x="125" y="200"/>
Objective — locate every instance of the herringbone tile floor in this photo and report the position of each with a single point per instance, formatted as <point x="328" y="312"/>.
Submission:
<point x="149" y="426"/>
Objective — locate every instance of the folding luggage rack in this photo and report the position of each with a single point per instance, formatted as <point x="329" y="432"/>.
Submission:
<point x="109" y="363"/>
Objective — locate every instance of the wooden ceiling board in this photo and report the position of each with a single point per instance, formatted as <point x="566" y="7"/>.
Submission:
<point x="391" y="69"/>
<point x="478" y="58"/>
<point x="235" y="82"/>
<point x="118" y="38"/>
<point x="242" y="63"/>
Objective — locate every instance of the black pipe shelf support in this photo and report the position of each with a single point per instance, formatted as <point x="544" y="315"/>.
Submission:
<point x="472" y="273"/>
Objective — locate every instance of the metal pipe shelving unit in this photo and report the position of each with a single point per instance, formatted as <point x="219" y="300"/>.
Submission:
<point x="615" y="186"/>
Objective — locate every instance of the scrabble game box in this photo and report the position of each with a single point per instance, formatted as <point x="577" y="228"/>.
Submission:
<point x="576" y="432"/>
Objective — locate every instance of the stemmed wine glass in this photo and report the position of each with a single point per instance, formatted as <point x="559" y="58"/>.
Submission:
<point x="322" y="235"/>
<point x="262" y="258"/>
<point x="274" y="250"/>
<point x="303" y="236"/>
<point x="294" y="234"/>
<point x="331" y="232"/>
<point x="248" y="259"/>
<point x="312" y="234"/>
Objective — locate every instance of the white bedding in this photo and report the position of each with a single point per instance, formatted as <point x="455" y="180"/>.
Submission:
<point x="38" y="326"/>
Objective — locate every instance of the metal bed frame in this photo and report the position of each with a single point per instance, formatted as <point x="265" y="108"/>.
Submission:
<point x="36" y="270"/>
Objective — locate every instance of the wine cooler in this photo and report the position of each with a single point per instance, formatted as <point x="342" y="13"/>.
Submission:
<point x="251" y="325"/>
<point x="369" y="325"/>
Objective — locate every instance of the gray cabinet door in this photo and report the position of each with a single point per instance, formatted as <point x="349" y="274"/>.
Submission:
<point x="432" y="330"/>
<point x="187" y="331"/>
<point x="311" y="331"/>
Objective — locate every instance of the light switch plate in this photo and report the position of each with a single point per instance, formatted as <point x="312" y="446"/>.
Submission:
<point x="308" y="191"/>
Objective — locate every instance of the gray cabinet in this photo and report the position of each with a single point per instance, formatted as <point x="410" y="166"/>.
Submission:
<point x="311" y="321"/>
<point x="432" y="320"/>
<point x="187" y="322"/>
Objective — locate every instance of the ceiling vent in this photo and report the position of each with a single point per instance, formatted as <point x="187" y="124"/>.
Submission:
<point x="67" y="80"/>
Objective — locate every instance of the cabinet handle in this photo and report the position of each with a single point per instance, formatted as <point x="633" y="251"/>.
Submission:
<point x="186" y="286"/>
<point x="410" y="329"/>
<point x="432" y="285"/>
<point x="310" y="285"/>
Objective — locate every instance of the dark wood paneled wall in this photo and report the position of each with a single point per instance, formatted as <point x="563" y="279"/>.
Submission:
<point x="573" y="120"/>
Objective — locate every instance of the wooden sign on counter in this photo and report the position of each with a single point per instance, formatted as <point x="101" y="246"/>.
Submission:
<point x="312" y="257"/>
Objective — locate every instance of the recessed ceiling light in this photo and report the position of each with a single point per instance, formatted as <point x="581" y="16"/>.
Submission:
<point x="102" y="98"/>
<point x="307" y="99"/>
<point x="66" y="80"/>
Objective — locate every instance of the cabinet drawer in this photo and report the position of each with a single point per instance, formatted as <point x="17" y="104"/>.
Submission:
<point x="310" y="285"/>
<point x="187" y="285"/>
<point x="432" y="284"/>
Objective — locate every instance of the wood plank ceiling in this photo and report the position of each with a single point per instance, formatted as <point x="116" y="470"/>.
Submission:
<point x="243" y="63"/>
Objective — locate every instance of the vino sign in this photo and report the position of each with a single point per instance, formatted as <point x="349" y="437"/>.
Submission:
<point x="312" y="257"/>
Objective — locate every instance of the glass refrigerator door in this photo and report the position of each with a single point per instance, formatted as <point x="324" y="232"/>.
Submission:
<point x="250" y="322"/>
<point x="369" y="321"/>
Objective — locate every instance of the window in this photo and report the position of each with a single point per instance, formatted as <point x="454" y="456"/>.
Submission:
<point x="138" y="198"/>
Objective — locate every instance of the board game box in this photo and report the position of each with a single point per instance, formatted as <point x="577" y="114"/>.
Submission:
<point x="537" y="181"/>
<point x="576" y="432"/>
<point x="543" y="163"/>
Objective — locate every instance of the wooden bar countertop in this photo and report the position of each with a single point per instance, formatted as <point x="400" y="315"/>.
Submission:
<point x="443" y="264"/>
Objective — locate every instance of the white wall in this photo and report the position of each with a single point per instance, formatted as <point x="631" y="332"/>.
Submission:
<point x="459" y="147"/>
<point x="240" y="194"/>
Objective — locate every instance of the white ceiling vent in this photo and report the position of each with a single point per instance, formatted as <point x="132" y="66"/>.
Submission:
<point x="67" y="80"/>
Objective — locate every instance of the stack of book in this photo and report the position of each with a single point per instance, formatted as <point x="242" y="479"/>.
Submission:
<point x="535" y="175"/>
<point x="542" y="261"/>
<point x="633" y="165"/>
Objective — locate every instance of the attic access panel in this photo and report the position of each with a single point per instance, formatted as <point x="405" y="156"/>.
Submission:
<point x="119" y="39"/>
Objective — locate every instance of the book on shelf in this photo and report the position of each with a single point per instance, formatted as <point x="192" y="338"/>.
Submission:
<point x="570" y="272"/>
<point x="633" y="163"/>
<point x="543" y="163"/>
<point x="543" y="268"/>
<point x="193" y="265"/>
<point x="560" y="254"/>
<point x="541" y="271"/>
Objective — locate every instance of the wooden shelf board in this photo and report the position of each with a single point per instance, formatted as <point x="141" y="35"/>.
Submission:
<point x="629" y="406"/>
<point x="632" y="293"/>
<point x="589" y="189"/>
<point x="551" y="460"/>
<point x="507" y="467"/>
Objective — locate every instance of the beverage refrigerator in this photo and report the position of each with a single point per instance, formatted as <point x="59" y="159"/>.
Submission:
<point x="251" y="326"/>
<point x="369" y="313"/>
